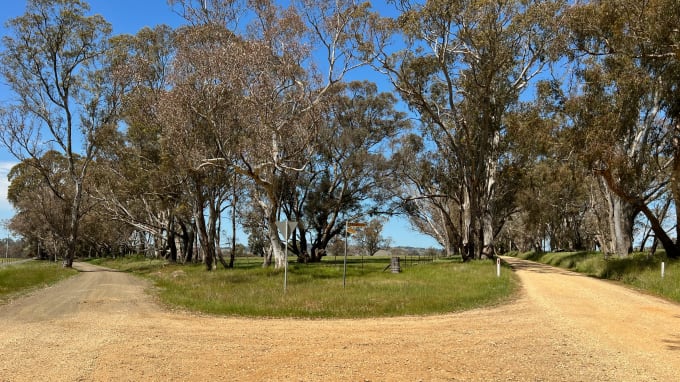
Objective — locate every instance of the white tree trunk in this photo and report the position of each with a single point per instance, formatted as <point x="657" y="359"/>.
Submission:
<point x="467" y="216"/>
<point x="275" y="240"/>
<point x="488" y="236"/>
<point x="621" y="220"/>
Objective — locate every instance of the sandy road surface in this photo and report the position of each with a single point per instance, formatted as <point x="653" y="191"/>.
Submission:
<point x="100" y="326"/>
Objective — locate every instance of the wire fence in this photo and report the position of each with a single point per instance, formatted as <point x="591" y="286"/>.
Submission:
<point x="10" y="260"/>
<point x="416" y="259"/>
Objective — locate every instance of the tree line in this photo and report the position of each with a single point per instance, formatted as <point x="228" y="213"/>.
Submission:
<point x="492" y="125"/>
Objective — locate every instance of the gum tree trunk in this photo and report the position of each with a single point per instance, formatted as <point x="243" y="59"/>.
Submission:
<point x="621" y="220"/>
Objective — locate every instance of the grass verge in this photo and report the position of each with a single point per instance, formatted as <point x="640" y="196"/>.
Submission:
<point x="21" y="278"/>
<point x="638" y="270"/>
<point x="316" y="290"/>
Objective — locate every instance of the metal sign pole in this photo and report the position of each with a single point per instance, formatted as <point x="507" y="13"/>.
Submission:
<point x="285" y="259"/>
<point x="344" y="268"/>
<point x="286" y="228"/>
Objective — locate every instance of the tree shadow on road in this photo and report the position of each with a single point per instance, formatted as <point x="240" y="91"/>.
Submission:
<point x="673" y="344"/>
<point x="530" y="266"/>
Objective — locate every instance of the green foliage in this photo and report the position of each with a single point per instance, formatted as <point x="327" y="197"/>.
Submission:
<point x="15" y="279"/>
<point x="316" y="290"/>
<point x="53" y="61"/>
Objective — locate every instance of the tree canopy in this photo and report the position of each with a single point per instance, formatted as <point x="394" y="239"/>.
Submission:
<point x="491" y="125"/>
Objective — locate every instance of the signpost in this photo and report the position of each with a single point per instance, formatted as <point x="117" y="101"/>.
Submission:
<point x="349" y="228"/>
<point x="286" y="228"/>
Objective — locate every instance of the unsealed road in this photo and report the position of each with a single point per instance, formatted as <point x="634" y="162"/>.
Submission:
<point x="101" y="326"/>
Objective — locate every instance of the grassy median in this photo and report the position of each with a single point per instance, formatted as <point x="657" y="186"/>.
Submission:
<point x="316" y="290"/>
<point x="17" y="279"/>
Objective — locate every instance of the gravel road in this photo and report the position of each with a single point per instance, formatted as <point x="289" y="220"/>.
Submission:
<point x="101" y="326"/>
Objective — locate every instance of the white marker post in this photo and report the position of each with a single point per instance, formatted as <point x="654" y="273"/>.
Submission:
<point x="663" y="269"/>
<point x="344" y="262"/>
<point x="498" y="267"/>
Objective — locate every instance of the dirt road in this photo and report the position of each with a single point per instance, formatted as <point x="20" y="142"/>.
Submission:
<point x="101" y="326"/>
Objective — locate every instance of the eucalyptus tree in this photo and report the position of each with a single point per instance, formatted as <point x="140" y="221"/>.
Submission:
<point x="276" y="93"/>
<point x="348" y="177"/>
<point x="554" y="203"/>
<point x="40" y="215"/>
<point x="428" y="194"/>
<point x="552" y="192"/>
<point x="198" y="112"/>
<point x="53" y="60"/>
<point x="139" y="183"/>
<point x="618" y="132"/>
<point x="463" y="69"/>
<point x="432" y="198"/>
<point x="370" y="237"/>
<point x="624" y="115"/>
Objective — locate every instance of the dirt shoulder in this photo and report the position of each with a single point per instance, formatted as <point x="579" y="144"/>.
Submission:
<point x="100" y="325"/>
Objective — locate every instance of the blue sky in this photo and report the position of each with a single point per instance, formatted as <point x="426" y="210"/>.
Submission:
<point x="129" y="16"/>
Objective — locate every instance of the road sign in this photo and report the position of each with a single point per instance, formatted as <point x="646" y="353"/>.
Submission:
<point x="356" y="224"/>
<point x="286" y="228"/>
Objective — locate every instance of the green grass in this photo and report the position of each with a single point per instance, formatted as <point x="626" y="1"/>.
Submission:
<point x="21" y="278"/>
<point x="316" y="290"/>
<point x="638" y="270"/>
<point x="650" y="280"/>
<point x="136" y="264"/>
